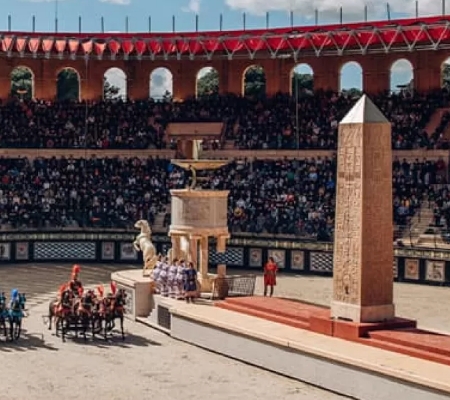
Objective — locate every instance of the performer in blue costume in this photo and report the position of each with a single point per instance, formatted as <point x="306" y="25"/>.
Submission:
<point x="190" y="283"/>
<point x="15" y="304"/>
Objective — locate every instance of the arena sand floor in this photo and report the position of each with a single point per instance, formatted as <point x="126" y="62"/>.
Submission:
<point x="150" y="364"/>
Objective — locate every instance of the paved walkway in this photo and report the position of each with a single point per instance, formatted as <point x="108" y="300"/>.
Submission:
<point x="429" y="305"/>
<point x="148" y="365"/>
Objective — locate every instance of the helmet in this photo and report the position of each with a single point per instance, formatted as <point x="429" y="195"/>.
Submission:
<point x="76" y="269"/>
<point x="14" y="293"/>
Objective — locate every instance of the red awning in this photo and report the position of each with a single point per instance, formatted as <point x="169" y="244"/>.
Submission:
<point x="371" y="37"/>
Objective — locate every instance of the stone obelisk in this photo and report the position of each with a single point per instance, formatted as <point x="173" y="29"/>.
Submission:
<point x="363" y="240"/>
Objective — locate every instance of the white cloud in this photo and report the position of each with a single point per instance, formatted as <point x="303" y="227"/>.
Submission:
<point x="119" y="2"/>
<point x="204" y="71"/>
<point x="193" y="6"/>
<point x="329" y="9"/>
<point x="401" y="66"/>
<point x="161" y="81"/>
<point x="116" y="77"/>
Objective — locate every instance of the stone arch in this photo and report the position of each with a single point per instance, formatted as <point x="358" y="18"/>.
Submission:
<point x="207" y="82"/>
<point x="161" y="84"/>
<point x="351" y="78"/>
<point x="68" y="84"/>
<point x="115" y="84"/>
<point x="254" y="81"/>
<point x="22" y="82"/>
<point x="302" y="79"/>
<point x="401" y="75"/>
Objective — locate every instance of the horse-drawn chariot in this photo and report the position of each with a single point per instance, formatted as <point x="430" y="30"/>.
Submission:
<point x="87" y="311"/>
<point x="12" y="314"/>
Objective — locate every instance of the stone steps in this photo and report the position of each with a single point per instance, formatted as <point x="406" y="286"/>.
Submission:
<point x="406" y="349"/>
<point x="293" y="322"/>
<point x="417" y="338"/>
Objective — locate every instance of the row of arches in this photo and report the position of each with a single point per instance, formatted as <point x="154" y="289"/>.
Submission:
<point x="207" y="81"/>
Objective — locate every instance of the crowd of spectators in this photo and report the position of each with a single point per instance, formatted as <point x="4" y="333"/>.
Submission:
<point x="414" y="182"/>
<point x="278" y="122"/>
<point x="283" y="196"/>
<point x="76" y="193"/>
<point x="295" y="197"/>
<point x="442" y="209"/>
<point x="102" y="124"/>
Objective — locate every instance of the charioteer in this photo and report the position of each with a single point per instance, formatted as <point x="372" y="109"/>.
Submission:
<point x="75" y="284"/>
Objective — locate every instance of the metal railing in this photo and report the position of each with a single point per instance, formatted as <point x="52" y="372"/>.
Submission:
<point x="233" y="286"/>
<point x="425" y="236"/>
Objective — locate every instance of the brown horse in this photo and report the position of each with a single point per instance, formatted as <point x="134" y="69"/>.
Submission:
<point x="118" y="310"/>
<point x="110" y="308"/>
<point x="84" y="312"/>
<point x="61" y="310"/>
<point x="103" y="315"/>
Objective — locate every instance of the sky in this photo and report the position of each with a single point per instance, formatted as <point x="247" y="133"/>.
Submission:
<point x="114" y="13"/>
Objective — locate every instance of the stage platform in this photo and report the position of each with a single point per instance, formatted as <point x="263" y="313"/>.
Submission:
<point x="281" y="336"/>
<point x="399" y="335"/>
<point x="350" y="368"/>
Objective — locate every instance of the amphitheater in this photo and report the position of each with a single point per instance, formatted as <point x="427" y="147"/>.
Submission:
<point x="82" y="160"/>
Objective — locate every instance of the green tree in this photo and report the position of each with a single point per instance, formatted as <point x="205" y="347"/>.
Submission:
<point x="352" y="92"/>
<point x="68" y="85"/>
<point x="22" y="83"/>
<point x="208" y="84"/>
<point x="446" y="75"/>
<point x="255" y="82"/>
<point x="109" y="90"/>
<point x="302" y="83"/>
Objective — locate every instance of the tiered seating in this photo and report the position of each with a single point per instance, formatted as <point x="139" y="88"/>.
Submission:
<point x="269" y="123"/>
<point x="278" y="197"/>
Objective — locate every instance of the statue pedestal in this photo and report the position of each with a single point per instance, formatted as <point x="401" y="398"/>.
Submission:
<point x="196" y="216"/>
<point x="206" y="283"/>
<point x="139" y="302"/>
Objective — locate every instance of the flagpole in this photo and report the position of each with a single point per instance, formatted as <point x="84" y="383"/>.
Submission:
<point x="56" y="16"/>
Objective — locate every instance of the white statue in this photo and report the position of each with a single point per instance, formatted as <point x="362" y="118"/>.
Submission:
<point x="143" y="242"/>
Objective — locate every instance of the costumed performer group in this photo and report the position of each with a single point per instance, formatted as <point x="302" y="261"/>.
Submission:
<point x="75" y="289"/>
<point x="177" y="279"/>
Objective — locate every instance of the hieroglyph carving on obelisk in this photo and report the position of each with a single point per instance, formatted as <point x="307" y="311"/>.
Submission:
<point x="363" y="240"/>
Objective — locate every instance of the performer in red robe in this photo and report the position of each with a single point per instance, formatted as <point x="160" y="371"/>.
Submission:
<point x="270" y="276"/>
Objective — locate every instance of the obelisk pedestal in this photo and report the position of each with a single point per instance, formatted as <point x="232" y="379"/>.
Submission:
<point x="363" y="239"/>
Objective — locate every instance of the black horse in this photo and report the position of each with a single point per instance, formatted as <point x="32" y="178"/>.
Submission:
<point x="3" y="315"/>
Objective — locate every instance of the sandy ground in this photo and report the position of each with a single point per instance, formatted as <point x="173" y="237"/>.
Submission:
<point x="152" y="365"/>
<point x="148" y="365"/>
